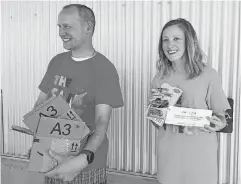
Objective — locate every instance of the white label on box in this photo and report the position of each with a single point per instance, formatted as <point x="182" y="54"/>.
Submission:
<point x="187" y="116"/>
<point x="66" y="147"/>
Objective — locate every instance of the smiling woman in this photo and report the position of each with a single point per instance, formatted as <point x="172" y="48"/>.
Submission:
<point x="182" y="65"/>
<point x="174" y="44"/>
<point x="177" y="52"/>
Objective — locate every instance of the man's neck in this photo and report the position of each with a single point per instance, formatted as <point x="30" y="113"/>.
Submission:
<point x="83" y="53"/>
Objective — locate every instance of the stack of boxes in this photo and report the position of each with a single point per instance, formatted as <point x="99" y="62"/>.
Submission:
<point x="54" y="126"/>
<point x="162" y="98"/>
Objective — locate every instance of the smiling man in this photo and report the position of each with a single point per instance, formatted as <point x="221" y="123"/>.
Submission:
<point x="90" y="84"/>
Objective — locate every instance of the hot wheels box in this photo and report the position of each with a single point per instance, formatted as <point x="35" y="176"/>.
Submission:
<point x="160" y="100"/>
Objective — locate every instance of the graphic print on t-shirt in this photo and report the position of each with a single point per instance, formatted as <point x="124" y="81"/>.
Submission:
<point x="77" y="99"/>
<point x="61" y="86"/>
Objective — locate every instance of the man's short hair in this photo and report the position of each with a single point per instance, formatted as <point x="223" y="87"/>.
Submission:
<point x="85" y="12"/>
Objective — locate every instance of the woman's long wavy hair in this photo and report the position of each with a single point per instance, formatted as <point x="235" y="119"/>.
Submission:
<point x="196" y="59"/>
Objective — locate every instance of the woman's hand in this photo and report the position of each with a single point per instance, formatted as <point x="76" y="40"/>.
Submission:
<point x="152" y="97"/>
<point x="216" y="124"/>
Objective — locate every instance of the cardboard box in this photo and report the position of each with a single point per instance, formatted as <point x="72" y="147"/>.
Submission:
<point x="40" y="161"/>
<point x="64" y="136"/>
<point x="53" y="107"/>
<point x="54" y="126"/>
<point x="22" y="130"/>
<point x="71" y="115"/>
<point x="61" y="128"/>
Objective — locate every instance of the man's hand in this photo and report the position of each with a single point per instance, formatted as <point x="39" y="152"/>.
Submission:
<point x="215" y="124"/>
<point x="68" y="168"/>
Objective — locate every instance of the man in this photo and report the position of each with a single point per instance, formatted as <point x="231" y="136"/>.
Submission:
<point x="90" y="84"/>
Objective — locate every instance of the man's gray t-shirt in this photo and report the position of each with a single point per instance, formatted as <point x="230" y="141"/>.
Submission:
<point x="87" y="83"/>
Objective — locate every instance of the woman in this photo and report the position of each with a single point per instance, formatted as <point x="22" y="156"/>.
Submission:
<point x="188" y="155"/>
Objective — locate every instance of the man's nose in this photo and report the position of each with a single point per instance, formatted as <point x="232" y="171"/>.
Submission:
<point x="62" y="32"/>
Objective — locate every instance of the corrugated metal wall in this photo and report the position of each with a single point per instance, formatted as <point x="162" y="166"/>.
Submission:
<point x="127" y="33"/>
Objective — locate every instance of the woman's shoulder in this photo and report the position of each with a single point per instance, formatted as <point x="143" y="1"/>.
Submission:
<point x="209" y="71"/>
<point x="209" y="74"/>
<point x="157" y="80"/>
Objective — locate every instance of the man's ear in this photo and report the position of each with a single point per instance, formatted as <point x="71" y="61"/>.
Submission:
<point x="88" y="27"/>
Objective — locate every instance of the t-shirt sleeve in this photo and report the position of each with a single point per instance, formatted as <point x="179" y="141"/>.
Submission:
<point x="108" y="89"/>
<point x="216" y="99"/>
<point x="46" y="81"/>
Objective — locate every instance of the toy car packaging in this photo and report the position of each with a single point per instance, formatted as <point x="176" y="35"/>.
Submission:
<point x="160" y="100"/>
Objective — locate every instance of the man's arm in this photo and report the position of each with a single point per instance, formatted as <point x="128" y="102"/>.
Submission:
<point x="102" y="118"/>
